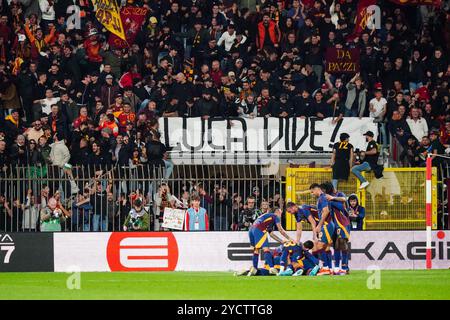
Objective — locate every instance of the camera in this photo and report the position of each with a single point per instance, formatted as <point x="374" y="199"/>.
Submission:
<point x="57" y="213"/>
<point x="134" y="222"/>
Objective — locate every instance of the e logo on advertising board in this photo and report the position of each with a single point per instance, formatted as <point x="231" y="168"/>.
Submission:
<point x="142" y="251"/>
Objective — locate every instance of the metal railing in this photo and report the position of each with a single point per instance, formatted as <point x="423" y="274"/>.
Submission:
<point x="87" y="197"/>
<point x="100" y="199"/>
<point x="394" y="202"/>
<point x="444" y="195"/>
<point x="442" y="183"/>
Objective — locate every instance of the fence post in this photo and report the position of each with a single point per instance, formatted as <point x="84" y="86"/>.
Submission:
<point x="428" y="209"/>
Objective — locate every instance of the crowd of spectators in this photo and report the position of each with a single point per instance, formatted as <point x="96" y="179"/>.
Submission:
<point x="70" y="98"/>
<point x="233" y="206"/>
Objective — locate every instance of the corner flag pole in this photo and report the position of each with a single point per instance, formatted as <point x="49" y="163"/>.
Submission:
<point x="428" y="210"/>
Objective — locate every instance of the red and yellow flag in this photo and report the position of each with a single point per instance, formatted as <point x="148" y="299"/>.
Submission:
<point x="107" y="13"/>
<point x="132" y="20"/>
<point x="362" y="18"/>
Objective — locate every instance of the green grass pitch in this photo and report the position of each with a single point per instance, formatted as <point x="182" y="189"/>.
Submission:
<point x="419" y="284"/>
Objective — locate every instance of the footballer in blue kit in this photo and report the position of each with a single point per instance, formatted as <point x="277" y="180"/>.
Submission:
<point x="258" y="234"/>
<point x="296" y="260"/>
<point x="325" y="229"/>
<point x="337" y="203"/>
<point x="323" y="236"/>
<point x="303" y="213"/>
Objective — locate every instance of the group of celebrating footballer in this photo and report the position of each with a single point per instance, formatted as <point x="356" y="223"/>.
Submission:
<point x="331" y="228"/>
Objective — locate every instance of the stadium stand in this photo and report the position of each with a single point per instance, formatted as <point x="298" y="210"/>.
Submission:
<point x="90" y="119"/>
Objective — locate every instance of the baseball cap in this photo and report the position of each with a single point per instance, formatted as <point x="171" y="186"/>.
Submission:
<point x="92" y="32"/>
<point x="324" y="86"/>
<point x="369" y="133"/>
<point x="153" y="20"/>
<point x="378" y="86"/>
<point x="109" y="77"/>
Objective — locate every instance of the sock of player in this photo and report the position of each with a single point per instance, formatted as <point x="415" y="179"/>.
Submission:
<point x="255" y="259"/>
<point x="268" y="258"/>
<point x="337" y="258"/>
<point x="329" y="259"/>
<point x="323" y="257"/>
<point x="345" y="260"/>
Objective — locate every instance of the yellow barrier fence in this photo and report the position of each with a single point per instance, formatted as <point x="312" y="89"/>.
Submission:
<point x="394" y="202"/>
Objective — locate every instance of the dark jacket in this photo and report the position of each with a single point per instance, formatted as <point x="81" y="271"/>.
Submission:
<point x="155" y="152"/>
<point x="205" y="107"/>
<point x="26" y="82"/>
<point x="100" y="161"/>
<point x="108" y="93"/>
<point x="361" y="214"/>
<point x="70" y="110"/>
<point x="19" y="159"/>
<point x="302" y="106"/>
<point x="60" y="122"/>
<point x="124" y="154"/>
<point x="80" y="156"/>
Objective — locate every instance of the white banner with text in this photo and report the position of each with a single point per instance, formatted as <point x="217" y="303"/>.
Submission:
<point x="197" y="135"/>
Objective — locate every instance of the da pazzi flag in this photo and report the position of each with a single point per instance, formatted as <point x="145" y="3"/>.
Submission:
<point x="107" y="13"/>
<point x="342" y="60"/>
